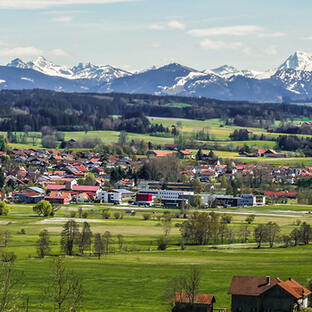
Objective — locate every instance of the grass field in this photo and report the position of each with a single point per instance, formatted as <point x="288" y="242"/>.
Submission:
<point x="135" y="279"/>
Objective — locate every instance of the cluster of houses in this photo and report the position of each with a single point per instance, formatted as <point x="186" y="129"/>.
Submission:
<point x="250" y="294"/>
<point x="262" y="153"/>
<point x="56" y="175"/>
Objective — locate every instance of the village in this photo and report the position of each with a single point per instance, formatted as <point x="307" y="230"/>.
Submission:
<point x="64" y="177"/>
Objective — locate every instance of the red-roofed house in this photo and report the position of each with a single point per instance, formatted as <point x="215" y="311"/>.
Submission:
<point x="85" y="188"/>
<point x="198" y="303"/>
<point x="265" y="293"/>
<point x="158" y="153"/>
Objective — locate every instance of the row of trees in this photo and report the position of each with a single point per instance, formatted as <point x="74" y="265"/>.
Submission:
<point x="74" y="242"/>
<point x="204" y="228"/>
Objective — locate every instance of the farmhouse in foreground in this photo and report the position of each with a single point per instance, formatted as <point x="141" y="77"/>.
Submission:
<point x="262" y="294"/>
<point x="201" y="303"/>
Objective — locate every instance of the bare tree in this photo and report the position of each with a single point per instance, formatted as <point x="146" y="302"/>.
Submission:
<point x="43" y="244"/>
<point x="260" y="233"/>
<point x="184" y="288"/>
<point x="244" y="233"/>
<point x="64" y="290"/>
<point x="69" y="237"/>
<point x="272" y="230"/>
<point x="98" y="245"/>
<point x="107" y="238"/>
<point x="120" y="241"/>
<point x="9" y="279"/>
<point x="85" y="238"/>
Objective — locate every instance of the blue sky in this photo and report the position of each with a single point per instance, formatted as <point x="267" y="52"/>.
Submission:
<point x="137" y="34"/>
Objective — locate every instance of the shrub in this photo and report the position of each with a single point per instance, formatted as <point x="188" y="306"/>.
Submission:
<point x="146" y="216"/>
<point x="43" y="208"/>
<point x="4" y="209"/>
<point x="72" y="214"/>
<point x="118" y="215"/>
<point x="162" y="243"/>
<point x="106" y="214"/>
<point x="85" y="215"/>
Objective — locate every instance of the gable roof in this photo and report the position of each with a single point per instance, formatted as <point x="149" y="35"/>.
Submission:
<point x="251" y="285"/>
<point x="199" y="298"/>
<point x="295" y="289"/>
<point x="257" y="285"/>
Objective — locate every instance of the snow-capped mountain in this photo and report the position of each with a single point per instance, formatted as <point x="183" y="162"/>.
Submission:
<point x="298" y="61"/>
<point x="81" y="71"/>
<point x="292" y="79"/>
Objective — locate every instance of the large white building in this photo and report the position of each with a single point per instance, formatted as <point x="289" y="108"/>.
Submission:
<point x="108" y="196"/>
<point x="167" y="194"/>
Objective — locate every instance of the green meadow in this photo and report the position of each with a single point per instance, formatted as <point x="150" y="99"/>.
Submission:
<point x="135" y="278"/>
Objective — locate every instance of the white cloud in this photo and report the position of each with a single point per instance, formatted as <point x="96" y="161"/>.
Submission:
<point x="30" y="51"/>
<point x="155" y="45"/>
<point x="238" y="30"/>
<point x="176" y="25"/>
<point x="44" y="4"/>
<point x="271" y="51"/>
<point x="62" y="19"/>
<point x="21" y="51"/>
<point x="217" y="45"/>
<point x="308" y="38"/>
<point x="272" y="35"/>
<point x="58" y="52"/>
<point x="156" y="27"/>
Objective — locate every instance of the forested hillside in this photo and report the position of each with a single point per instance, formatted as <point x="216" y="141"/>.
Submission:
<point x="80" y="111"/>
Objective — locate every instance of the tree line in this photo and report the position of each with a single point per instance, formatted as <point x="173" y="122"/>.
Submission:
<point x="78" y="112"/>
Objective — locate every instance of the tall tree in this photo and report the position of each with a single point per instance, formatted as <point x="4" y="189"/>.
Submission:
<point x="43" y="244"/>
<point x="272" y="230"/>
<point x="98" y="245"/>
<point x="107" y="238"/>
<point x="85" y="238"/>
<point x="69" y="237"/>
<point x="260" y="234"/>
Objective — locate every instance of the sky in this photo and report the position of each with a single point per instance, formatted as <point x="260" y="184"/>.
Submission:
<point x="138" y="34"/>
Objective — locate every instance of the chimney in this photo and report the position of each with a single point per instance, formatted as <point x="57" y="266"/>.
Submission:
<point x="268" y="280"/>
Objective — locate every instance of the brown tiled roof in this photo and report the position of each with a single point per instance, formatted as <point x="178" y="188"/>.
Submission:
<point x="256" y="285"/>
<point x="294" y="288"/>
<point x="251" y="285"/>
<point x="199" y="298"/>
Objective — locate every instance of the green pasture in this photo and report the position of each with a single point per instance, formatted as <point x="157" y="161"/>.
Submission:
<point x="135" y="278"/>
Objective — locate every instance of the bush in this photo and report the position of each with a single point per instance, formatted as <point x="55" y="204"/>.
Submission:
<point x="118" y="215"/>
<point x="4" y="209"/>
<point x="43" y="208"/>
<point x="106" y="214"/>
<point x="146" y="216"/>
<point x="85" y="215"/>
<point x="23" y="231"/>
<point x="162" y="243"/>
<point x="73" y="214"/>
<point x="49" y="141"/>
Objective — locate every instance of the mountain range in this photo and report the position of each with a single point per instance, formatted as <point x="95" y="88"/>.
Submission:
<point x="292" y="79"/>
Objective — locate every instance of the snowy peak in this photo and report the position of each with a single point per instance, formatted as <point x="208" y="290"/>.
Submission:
<point x="17" y="63"/>
<point x="298" y="61"/>
<point x="225" y="70"/>
<point x="46" y="67"/>
<point x="100" y="73"/>
<point x="81" y="71"/>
